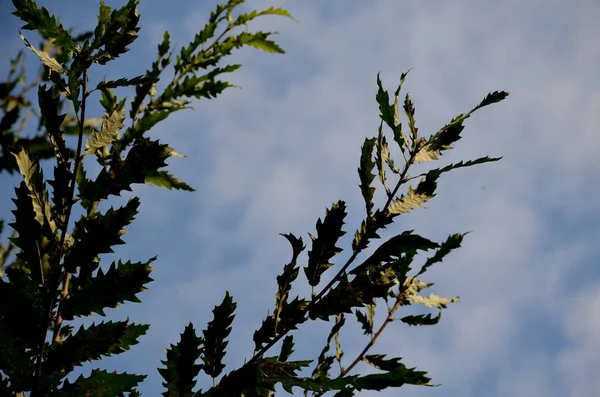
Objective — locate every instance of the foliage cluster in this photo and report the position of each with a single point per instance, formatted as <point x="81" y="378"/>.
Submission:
<point x="52" y="271"/>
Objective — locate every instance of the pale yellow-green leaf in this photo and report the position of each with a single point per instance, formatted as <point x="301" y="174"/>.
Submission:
<point x="424" y="155"/>
<point x="432" y="300"/>
<point x="32" y="176"/>
<point x="108" y="133"/>
<point x="408" y="202"/>
<point x="44" y="57"/>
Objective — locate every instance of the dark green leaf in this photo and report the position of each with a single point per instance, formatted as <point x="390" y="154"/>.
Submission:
<point x="452" y="242"/>
<point x="422" y="319"/>
<point x="91" y="343"/>
<point x="46" y="59"/>
<point x="365" y="172"/>
<point x="397" y="374"/>
<point x="365" y="323"/>
<point x="103" y="384"/>
<point x="406" y="243"/>
<point x="323" y="246"/>
<point x="290" y="272"/>
<point x="113" y="34"/>
<point x="96" y="234"/>
<point x="124" y="82"/>
<point x="215" y="336"/>
<point x="409" y="110"/>
<point x="40" y="19"/>
<point x="181" y="368"/>
<point x="287" y="348"/>
<point x="122" y="282"/>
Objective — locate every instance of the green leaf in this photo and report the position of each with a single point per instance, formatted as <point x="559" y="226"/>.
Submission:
<point x="96" y="234"/>
<point x="91" y="343"/>
<point x="397" y="374"/>
<point x="215" y="334"/>
<point x="115" y="32"/>
<point x="30" y="239"/>
<point x="406" y="243"/>
<point x="365" y="173"/>
<point x="323" y="246"/>
<point x="103" y="384"/>
<point x="46" y="59"/>
<point x="422" y="319"/>
<point x="181" y="368"/>
<point x="121" y="282"/>
<point x="452" y="242"/>
<point x="124" y="82"/>
<point x="108" y="133"/>
<point x="438" y="171"/>
<point x="164" y="179"/>
<point x="287" y="348"/>
<point x="290" y="273"/>
<point x="143" y="159"/>
<point x="242" y="19"/>
<point x="366" y="323"/>
<point x="40" y="19"/>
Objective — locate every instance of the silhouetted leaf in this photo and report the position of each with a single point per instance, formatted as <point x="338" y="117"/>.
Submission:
<point x="323" y="246"/>
<point x="181" y="368"/>
<point x="103" y="383"/>
<point x="287" y="348"/>
<point x="96" y="234"/>
<point x="421" y="319"/>
<point x="116" y="30"/>
<point x="91" y="343"/>
<point x="365" y="172"/>
<point x="452" y="242"/>
<point x="215" y="334"/>
<point x="122" y="282"/>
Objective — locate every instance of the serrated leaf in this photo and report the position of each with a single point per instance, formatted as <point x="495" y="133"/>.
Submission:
<point x="323" y="245"/>
<point x="91" y="343"/>
<point x="165" y="179"/>
<point x="143" y="159"/>
<point x="366" y="325"/>
<point x="124" y="82"/>
<point x="242" y="19"/>
<point x="365" y="173"/>
<point x="406" y="243"/>
<point x="181" y="368"/>
<point x="108" y="134"/>
<point x="438" y="171"/>
<point x="103" y="383"/>
<point x="287" y="348"/>
<point x="409" y="111"/>
<point x="46" y="59"/>
<point x="215" y="336"/>
<point x="408" y="202"/>
<point x="34" y="180"/>
<point x="422" y="319"/>
<point x="113" y="34"/>
<point x="432" y="300"/>
<point x="121" y="282"/>
<point x="96" y="234"/>
<point x="396" y="375"/>
<point x="452" y="242"/>
<point x="382" y="156"/>
<point x="40" y="19"/>
<point x="285" y="280"/>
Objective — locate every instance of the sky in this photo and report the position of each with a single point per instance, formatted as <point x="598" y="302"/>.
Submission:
<point x="270" y="157"/>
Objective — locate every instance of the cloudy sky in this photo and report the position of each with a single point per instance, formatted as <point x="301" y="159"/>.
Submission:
<point x="270" y="158"/>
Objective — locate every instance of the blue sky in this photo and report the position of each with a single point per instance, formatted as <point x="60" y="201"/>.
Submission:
<point x="270" y="157"/>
